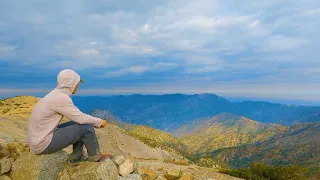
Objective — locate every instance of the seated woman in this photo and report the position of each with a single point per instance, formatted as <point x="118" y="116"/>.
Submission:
<point x="46" y="136"/>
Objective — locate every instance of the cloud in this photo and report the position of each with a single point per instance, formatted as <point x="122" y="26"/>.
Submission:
<point x="88" y="52"/>
<point x="205" y="40"/>
<point x="158" y="67"/>
<point x="281" y="43"/>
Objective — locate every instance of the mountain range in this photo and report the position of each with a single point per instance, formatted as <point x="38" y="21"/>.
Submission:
<point x="229" y="140"/>
<point x="211" y="138"/>
<point x="170" y="112"/>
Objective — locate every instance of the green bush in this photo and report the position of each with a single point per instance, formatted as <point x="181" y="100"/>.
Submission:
<point x="260" y="171"/>
<point x="313" y="173"/>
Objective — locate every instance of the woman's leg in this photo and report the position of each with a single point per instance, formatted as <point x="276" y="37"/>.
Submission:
<point x="78" y="135"/>
<point x="78" y="146"/>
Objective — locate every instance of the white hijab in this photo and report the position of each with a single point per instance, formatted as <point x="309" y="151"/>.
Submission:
<point x="67" y="81"/>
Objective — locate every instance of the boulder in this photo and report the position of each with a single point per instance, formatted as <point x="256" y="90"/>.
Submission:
<point x="127" y="167"/>
<point x="4" y="177"/>
<point x="5" y="165"/>
<point x="130" y="177"/>
<point x="34" y="167"/>
<point x="105" y="170"/>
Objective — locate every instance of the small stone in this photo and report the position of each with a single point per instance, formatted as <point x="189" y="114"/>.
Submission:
<point x="119" y="160"/>
<point x="4" y="177"/>
<point x="186" y="177"/>
<point x="126" y="167"/>
<point x="130" y="177"/>
<point x="173" y="174"/>
<point x="5" y="165"/>
<point x="147" y="174"/>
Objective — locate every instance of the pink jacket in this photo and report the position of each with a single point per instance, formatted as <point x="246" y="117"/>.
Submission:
<point x="49" y="111"/>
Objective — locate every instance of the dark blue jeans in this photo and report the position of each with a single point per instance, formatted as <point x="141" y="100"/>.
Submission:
<point x="78" y="135"/>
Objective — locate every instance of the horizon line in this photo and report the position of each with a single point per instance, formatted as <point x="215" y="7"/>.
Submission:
<point x="10" y="93"/>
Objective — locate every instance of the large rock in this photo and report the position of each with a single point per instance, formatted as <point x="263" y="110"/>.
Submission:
<point x="5" y="165"/>
<point x="105" y="170"/>
<point x="35" y="167"/>
<point x="126" y="167"/>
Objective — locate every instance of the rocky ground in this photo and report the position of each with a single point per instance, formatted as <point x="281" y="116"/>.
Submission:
<point x="17" y="163"/>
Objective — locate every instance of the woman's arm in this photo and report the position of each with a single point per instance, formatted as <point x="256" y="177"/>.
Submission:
<point x="66" y="107"/>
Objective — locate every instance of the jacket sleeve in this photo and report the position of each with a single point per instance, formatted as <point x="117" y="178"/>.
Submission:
<point x="66" y="108"/>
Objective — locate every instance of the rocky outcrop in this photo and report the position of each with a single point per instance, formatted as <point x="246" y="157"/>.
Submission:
<point x="17" y="162"/>
<point x="34" y="167"/>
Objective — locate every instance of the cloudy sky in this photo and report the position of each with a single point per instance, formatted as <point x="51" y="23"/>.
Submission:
<point x="248" y="48"/>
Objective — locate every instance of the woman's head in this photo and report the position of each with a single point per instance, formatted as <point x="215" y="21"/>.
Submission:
<point x="68" y="81"/>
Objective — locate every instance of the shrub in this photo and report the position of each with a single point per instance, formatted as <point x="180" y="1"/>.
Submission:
<point x="260" y="171"/>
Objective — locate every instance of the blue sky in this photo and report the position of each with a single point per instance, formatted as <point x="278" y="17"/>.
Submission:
<point x="249" y="48"/>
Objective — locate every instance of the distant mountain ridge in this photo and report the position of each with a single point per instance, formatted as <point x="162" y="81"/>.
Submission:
<point x="225" y="130"/>
<point x="235" y="141"/>
<point x="298" y="144"/>
<point x="170" y="112"/>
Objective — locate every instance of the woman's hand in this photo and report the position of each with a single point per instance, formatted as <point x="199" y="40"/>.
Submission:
<point x="103" y="123"/>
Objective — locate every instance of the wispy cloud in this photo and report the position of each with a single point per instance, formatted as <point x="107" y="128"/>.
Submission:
<point x="88" y="52"/>
<point x="158" y="67"/>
